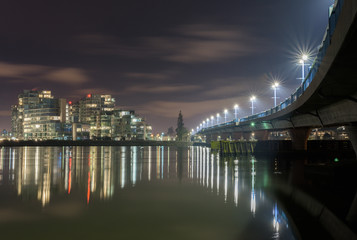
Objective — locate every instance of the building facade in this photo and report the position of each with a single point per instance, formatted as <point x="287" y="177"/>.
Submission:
<point x="40" y="116"/>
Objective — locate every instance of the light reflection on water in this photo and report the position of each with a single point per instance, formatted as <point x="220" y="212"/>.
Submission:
<point x="97" y="174"/>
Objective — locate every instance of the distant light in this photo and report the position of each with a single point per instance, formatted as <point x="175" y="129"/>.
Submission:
<point x="236" y="106"/>
<point x="225" y="111"/>
<point x="304" y="57"/>
<point x="336" y="160"/>
<point x="252" y="124"/>
<point x="252" y="98"/>
<point x="89" y="95"/>
<point x="70" y="102"/>
<point x="275" y="85"/>
<point x="218" y="115"/>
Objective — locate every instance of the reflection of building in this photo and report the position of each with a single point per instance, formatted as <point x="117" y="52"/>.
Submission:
<point x="38" y="115"/>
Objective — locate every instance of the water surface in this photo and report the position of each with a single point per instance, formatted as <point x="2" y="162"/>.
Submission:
<point x="136" y="193"/>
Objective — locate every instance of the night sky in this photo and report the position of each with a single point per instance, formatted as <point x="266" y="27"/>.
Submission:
<point x="158" y="57"/>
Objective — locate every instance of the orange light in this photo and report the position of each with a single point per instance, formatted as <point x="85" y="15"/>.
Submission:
<point x="70" y="102"/>
<point x="89" y="95"/>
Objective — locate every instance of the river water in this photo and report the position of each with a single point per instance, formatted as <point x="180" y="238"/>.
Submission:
<point x="136" y="193"/>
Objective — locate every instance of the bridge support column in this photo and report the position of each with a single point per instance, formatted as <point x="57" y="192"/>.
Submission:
<point x="299" y="137"/>
<point x="352" y="134"/>
<point x="261" y="135"/>
<point x="352" y="213"/>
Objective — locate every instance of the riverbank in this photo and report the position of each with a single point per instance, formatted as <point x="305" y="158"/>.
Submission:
<point x="7" y="143"/>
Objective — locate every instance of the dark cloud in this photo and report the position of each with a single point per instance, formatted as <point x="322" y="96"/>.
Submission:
<point x="38" y="73"/>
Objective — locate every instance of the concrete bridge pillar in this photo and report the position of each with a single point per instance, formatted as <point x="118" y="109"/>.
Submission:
<point x="352" y="213"/>
<point x="261" y="135"/>
<point x="352" y="134"/>
<point x="299" y="137"/>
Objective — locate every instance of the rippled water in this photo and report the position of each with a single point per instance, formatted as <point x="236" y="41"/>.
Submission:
<point x="136" y="193"/>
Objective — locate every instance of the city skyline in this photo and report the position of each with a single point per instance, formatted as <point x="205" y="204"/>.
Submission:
<point x="205" y="56"/>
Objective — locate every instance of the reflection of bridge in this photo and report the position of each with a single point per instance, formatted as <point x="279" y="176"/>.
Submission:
<point x="327" y="96"/>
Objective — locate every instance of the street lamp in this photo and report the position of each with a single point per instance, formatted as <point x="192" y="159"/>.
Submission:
<point x="236" y="111"/>
<point x="201" y="126"/>
<point x="212" y="121"/>
<point x="304" y="57"/>
<point x="225" y="115"/>
<point x="275" y="86"/>
<point x="207" y="120"/>
<point x="204" y="123"/>
<point x="218" y="118"/>
<point x="252" y="100"/>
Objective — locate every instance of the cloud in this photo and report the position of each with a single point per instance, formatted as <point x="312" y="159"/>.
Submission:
<point x="38" y="73"/>
<point x="153" y="76"/>
<point x="205" y="43"/>
<point x="4" y="113"/>
<point x="160" y="89"/>
<point x="195" y="43"/>
<point x="190" y="109"/>
<point x="72" y="76"/>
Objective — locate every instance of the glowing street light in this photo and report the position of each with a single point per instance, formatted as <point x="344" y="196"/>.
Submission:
<point x="252" y="100"/>
<point x="236" y="112"/>
<point x="304" y="57"/>
<point x="275" y="86"/>
<point x="218" y="118"/>
<point x="225" y="115"/>
<point x="212" y="121"/>
<point x="207" y="120"/>
<point x="201" y="126"/>
<point x="204" y="124"/>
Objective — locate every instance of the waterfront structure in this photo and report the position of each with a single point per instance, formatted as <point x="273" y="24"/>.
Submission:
<point x="40" y="116"/>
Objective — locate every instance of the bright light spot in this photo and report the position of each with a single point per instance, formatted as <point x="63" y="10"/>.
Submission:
<point x="252" y="98"/>
<point x="275" y="84"/>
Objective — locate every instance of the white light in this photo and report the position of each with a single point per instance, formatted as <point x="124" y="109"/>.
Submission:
<point x="252" y="98"/>
<point x="236" y="106"/>
<point x="225" y="111"/>
<point x="304" y="57"/>
<point x="275" y="85"/>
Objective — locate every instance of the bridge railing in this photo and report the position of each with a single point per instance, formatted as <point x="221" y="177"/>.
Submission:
<point x="334" y="14"/>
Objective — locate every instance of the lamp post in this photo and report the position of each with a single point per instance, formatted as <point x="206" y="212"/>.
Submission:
<point x="225" y="115"/>
<point x="252" y="100"/>
<point x="275" y="86"/>
<point x="304" y="57"/>
<point x="207" y="120"/>
<point x="236" y="112"/>
<point x="212" y="121"/>
<point x="218" y="118"/>
<point x="204" y="124"/>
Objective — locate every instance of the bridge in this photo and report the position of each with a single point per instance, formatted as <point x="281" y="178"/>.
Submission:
<point x="327" y="96"/>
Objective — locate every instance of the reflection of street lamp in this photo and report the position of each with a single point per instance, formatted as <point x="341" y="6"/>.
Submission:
<point x="225" y="115"/>
<point x="218" y="118"/>
<point x="304" y="57"/>
<point x="236" y="111"/>
<point x="275" y="86"/>
<point x="252" y="100"/>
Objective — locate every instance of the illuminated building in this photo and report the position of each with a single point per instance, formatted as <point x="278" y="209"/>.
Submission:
<point x="95" y="110"/>
<point x="38" y="115"/>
